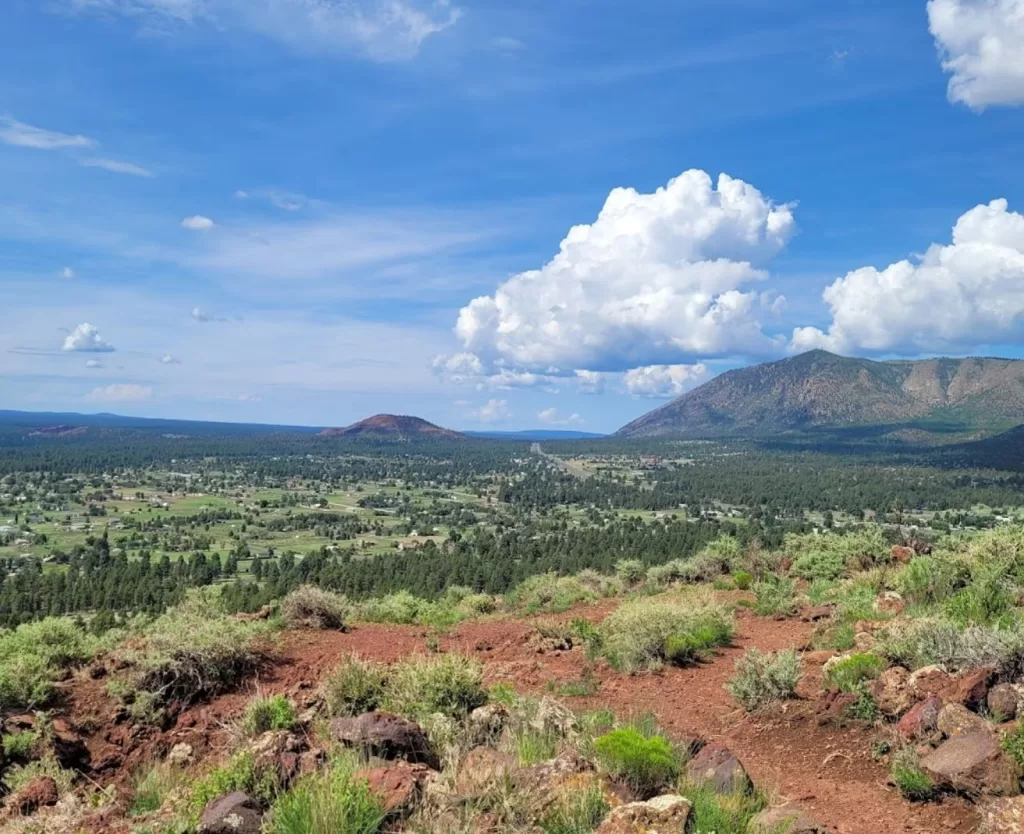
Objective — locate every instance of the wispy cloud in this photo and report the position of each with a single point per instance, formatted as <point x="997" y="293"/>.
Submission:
<point x="116" y="166"/>
<point x="19" y="134"/>
<point x="119" y="393"/>
<point x="383" y="30"/>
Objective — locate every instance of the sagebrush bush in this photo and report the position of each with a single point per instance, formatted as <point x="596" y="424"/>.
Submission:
<point x="311" y="607"/>
<point x="550" y="592"/>
<point x="354" y="687"/>
<point x="848" y="673"/>
<point x="34" y="655"/>
<point x="195" y="651"/>
<point x="830" y="555"/>
<point x="630" y="571"/>
<point x="761" y="678"/>
<point x="332" y="801"/>
<point x="645" y="764"/>
<point x="450" y="684"/>
<point x="267" y="712"/>
<point x="645" y="634"/>
<point x="400" y="608"/>
<point x="930" y="580"/>
<point x="936" y="641"/>
<point x="743" y="580"/>
<point x="775" y="596"/>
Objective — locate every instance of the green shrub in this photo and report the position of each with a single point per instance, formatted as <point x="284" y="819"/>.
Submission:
<point x="645" y="764"/>
<point x="332" y="801"/>
<point x="989" y="598"/>
<point x="311" y="607"/>
<point x="267" y="712"/>
<point x="35" y="655"/>
<point x="1013" y="744"/>
<point x="641" y="634"/>
<point x="762" y="678"/>
<point x="240" y="773"/>
<point x="17" y="776"/>
<point x="630" y="571"/>
<point x="450" y="684"/>
<point x="830" y="555"/>
<point x="930" y="580"/>
<point x="195" y="651"/>
<point x="19" y="745"/>
<point x="743" y="580"/>
<point x="550" y="592"/>
<point x="849" y="673"/>
<point x="401" y="608"/>
<point x="935" y="641"/>
<point x="908" y="776"/>
<point x="576" y="812"/>
<point x="354" y="687"/>
<point x="775" y="596"/>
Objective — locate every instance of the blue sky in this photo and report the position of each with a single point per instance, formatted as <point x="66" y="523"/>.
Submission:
<point x="309" y="211"/>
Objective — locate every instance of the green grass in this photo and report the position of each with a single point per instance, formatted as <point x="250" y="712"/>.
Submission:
<point x="849" y="673"/>
<point x="715" y="813"/>
<point x="267" y="712"/>
<point x="449" y="684"/>
<point x="645" y="764"/>
<point x="238" y="774"/>
<point x="332" y="801"/>
<point x="908" y="777"/>
<point x="578" y="812"/>
<point x="354" y="687"/>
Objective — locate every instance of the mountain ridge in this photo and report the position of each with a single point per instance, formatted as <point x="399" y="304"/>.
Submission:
<point x="821" y="389"/>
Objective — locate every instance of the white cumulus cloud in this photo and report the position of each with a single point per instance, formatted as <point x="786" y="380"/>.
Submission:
<point x="93" y="363"/>
<point x="981" y="43"/>
<point x="954" y="297"/>
<point x="492" y="411"/>
<point x="67" y="272"/>
<point x="86" y="339"/>
<point x="197" y="223"/>
<point x="664" y="380"/>
<point x="655" y="279"/>
<point x="168" y="359"/>
<point x="590" y="382"/>
<point x="550" y="417"/>
<point x="119" y="392"/>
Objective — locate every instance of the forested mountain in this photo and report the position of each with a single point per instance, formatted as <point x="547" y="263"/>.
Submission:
<point x="818" y="389"/>
<point x="393" y="427"/>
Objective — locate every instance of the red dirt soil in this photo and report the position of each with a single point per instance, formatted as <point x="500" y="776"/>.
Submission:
<point x="828" y="770"/>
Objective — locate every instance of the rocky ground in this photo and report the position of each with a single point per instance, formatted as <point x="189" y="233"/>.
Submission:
<point x="806" y="753"/>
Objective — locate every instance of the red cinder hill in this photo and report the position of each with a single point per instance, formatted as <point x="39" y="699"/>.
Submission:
<point x="394" y="427"/>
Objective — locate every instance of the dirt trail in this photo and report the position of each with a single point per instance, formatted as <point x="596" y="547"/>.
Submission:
<point x="829" y="771"/>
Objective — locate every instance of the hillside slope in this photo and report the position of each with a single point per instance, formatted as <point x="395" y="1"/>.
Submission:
<point x="818" y="389"/>
<point x="393" y="427"/>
